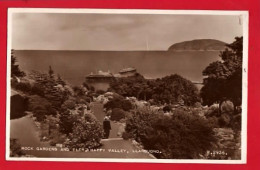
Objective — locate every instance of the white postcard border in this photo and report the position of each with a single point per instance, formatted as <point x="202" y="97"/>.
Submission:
<point x="243" y="14"/>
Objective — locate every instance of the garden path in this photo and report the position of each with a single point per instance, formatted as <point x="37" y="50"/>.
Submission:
<point x="27" y="133"/>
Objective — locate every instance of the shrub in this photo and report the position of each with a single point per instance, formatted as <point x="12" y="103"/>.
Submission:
<point x="117" y="114"/>
<point x="38" y="89"/>
<point x="88" y="99"/>
<point x="212" y="111"/>
<point x="40" y="107"/>
<point x="236" y="122"/>
<point x="56" y="138"/>
<point x="66" y="122"/>
<point x="167" y="108"/>
<point x="126" y="135"/>
<point x="80" y="100"/>
<point x="224" y="120"/>
<point x="69" y="104"/>
<point x="168" y="89"/>
<point x="15" y="148"/>
<point x="227" y="107"/>
<point x="86" y="133"/>
<point x="79" y="91"/>
<point x="119" y="102"/>
<point x="126" y="105"/>
<point x="180" y="136"/>
<point x="213" y="121"/>
<point x="114" y="103"/>
<point x="23" y="86"/>
<point x="40" y="115"/>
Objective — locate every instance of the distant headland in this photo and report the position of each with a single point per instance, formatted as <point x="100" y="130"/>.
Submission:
<point x="198" y="45"/>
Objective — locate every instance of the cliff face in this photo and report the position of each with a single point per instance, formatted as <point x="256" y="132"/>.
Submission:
<point x="198" y="45"/>
<point x="19" y="104"/>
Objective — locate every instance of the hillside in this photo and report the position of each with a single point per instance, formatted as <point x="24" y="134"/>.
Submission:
<point x="198" y="45"/>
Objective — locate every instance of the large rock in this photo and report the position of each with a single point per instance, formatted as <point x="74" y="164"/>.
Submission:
<point x="19" y="104"/>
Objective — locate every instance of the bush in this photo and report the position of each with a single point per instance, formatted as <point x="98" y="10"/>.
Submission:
<point x="166" y="109"/>
<point x="117" y="114"/>
<point x="168" y="89"/>
<point x="236" y="122"/>
<point x="80" y="100"/>
<point x="15" y="148"/>
<point x="114" y="103"/>
<point x="56" y="138"/>
<point x="69" y="104"/>
<point x="126" y="105"/>
<point x="224" y="120"/>
<point x="180" y="136"/>
<point x="88" y="99"/>
<point x="67" y="121"/>
<point x="213" y="121"/>
<point x="40" y="107"/>
<point x="23" y="86"/>
<point x="227" y="107"/>
<point x="40" y="115"/>
<point x="212" y="111"/>
<point x="86" y="133"/>
<point x="126" y="136"/>
<point x="38" y="89"/>
<point x="120" y="103"/>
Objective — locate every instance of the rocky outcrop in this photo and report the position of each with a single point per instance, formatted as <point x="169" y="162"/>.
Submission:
<point x="19" y="104"/>
<point x="199" y="45"/>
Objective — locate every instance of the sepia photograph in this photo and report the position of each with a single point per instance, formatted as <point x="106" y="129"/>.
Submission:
<point x="111" y="85"/>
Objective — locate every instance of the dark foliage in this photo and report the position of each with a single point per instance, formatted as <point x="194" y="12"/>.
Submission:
<point x="127" y="135"/>
<point x="48" y="87"/>
<point x="117" y="114"/>
<point x="19" y="105"/>
<point x="182" y="136"/>
<point x="15" y="148"/>
<point x="78" y="91"/>
<point x="166" y="108"/>
<point x="67" y="120"/>
<point x="40" y="107"/>
<point x="170" y="89"/>
<point x="86" y="133"/>
<point x="69" y="104"/>
<point x="22" y="86"/>
<point x="224" y="78"/>
<point x="15" y="70"/>
<point x="118" y="102"/>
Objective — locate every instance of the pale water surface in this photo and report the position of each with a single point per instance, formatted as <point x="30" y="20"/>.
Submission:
<point x="73" y="66"/>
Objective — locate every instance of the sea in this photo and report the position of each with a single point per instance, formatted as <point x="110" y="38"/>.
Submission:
<point x="74" y="66"/>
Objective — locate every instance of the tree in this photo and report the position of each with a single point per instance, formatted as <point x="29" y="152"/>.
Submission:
<point x="181" y="136"/>
<point x="15" y="70"/>
<point x="224" y="78"/>
<point x="49" y="88"/>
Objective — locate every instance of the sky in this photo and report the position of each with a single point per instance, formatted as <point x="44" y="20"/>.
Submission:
<point x="117" y="32"/>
